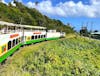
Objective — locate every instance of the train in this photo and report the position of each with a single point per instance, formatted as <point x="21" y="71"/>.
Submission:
<point x="13" y="36"/>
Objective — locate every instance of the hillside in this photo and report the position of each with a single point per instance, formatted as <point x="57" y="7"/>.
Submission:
<point x="76" y="56"/>
<point x="30" y="16"/>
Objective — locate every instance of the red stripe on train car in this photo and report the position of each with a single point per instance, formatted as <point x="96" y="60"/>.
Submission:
<point x="37" y="33"/>
<point x="14" y="35"/>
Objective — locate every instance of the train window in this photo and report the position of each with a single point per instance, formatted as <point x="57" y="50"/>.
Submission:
<point x="32" y="37"/>
<point x="9" y="45"/>
<point x="36" y="37"/>
<point x="44" y="36"/>
<point x="39" y="36"/>
<point x="16" y="41"/>
<point x="13" y="43"/>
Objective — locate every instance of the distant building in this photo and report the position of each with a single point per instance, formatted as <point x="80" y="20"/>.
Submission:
<point x="98" y="33"/>
<point x="95" y="35"/>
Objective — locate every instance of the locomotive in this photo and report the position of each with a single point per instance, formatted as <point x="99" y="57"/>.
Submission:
<point x="13" y="36"/>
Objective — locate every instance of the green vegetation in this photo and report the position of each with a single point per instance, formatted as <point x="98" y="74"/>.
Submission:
<point x="30" y="16"/>
<point x="64" y="57"/>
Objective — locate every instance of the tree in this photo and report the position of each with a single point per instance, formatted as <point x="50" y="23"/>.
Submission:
<point x="84" y="31"/>
<point x="95" y="30"/>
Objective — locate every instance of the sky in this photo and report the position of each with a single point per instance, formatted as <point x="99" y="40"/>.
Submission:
<point x="75" y="12"/>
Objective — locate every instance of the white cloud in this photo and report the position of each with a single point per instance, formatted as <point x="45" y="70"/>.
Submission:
<point x="68" y="8"/>
<point x="13" y="4"/>
<point x="3" y="1"/>
<point x="95" y="2"/>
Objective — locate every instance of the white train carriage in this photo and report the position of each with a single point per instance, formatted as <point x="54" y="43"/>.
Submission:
<point x="10" y="36"/>
<point x="34" y="34"/>
<point x="53" y="34"/>
<point x="13" y="36"/>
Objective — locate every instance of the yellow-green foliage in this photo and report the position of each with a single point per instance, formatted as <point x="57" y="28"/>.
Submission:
<point x="65" y="57"/>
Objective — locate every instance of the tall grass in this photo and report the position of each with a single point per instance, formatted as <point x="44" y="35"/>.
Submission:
<point x="65" y="57"/>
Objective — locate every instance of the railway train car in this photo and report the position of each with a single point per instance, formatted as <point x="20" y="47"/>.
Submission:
<point x="95" y="35"/>
<point x="13" y="36"/>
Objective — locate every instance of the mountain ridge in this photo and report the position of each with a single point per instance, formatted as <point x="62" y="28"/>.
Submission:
<point x="30" y="16"/>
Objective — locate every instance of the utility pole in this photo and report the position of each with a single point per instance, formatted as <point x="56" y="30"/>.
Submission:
<point x="87" y="25"/>
<point x="91" y="26"/>
<point x="87" y="28"/>
<point x="82" y="25"/>
<point x="22" y="31"/>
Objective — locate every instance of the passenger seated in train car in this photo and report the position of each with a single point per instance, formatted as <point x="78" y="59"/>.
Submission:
<point x="3" y="30"/>
<point x="9" y="29"/>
